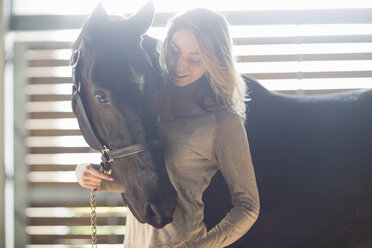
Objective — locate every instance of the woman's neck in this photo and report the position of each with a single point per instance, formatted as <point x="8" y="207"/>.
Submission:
<point x="183" y="101"/>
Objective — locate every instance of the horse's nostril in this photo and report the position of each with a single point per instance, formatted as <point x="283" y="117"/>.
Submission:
<point x="151" y="211"/>
<point x="167" y="220"/>
<point x="155" y="217"/>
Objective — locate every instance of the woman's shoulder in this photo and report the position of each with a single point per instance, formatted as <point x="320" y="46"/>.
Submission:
<point x="227" y="116"/>
<point x="229" y="131"/>
<point x="227" y="121"/>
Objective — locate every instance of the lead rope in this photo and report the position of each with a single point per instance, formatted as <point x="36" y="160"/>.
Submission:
<point x="93" y="218"/>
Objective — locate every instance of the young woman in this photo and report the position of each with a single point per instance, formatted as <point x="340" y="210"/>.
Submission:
<point x="201" y="115"/>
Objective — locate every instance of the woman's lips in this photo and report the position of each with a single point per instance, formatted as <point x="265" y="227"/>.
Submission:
<point x="178" y="77"/>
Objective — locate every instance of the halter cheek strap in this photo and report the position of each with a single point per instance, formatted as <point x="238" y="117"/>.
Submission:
<point x="108" y="156"/>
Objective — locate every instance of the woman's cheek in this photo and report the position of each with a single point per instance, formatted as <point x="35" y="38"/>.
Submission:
<point x="170" y="63"/>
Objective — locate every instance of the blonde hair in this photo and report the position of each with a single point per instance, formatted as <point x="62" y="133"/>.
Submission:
<point x="211" y="32"/>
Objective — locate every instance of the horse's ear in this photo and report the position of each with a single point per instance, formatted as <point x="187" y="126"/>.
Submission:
<point x="95" y="21"/>
<point x="98" y="15"/>
<point x="142" y="20"/>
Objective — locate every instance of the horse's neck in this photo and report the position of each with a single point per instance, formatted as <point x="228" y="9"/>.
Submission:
<point x="150" y="45"/>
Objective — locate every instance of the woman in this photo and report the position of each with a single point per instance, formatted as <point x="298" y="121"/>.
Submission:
<point x="201" y="114"/>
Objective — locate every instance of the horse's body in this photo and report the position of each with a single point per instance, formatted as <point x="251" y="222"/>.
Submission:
<point x="313" y="163"/>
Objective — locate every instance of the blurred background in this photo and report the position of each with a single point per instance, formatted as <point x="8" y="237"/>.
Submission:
<point x="292" y="47"/>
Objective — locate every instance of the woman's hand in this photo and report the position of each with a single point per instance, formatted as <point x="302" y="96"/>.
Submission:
<point x="89" y="176"/>
<point x="181" y="245"/>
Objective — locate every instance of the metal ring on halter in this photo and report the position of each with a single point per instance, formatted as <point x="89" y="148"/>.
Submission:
<point x="107" y="172"/>
<point x="77" y="59"/>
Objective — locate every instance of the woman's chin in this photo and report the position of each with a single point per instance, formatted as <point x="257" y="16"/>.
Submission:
<point x="180" y="81"/>
<point x="183" y="81"/>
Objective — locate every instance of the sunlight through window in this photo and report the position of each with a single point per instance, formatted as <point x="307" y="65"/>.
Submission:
<point x="73" y="7"/>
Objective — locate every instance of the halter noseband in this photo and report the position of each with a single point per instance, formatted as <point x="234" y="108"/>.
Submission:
<point x="108" y="156"/>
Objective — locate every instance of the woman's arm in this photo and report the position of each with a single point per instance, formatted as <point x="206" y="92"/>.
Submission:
<point x="233" y="157"/>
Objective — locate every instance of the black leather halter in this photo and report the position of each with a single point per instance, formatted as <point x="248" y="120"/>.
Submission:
<point x="108" y="155"/>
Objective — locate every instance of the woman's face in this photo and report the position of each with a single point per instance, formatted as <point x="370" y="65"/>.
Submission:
<point x="183" y="59"/>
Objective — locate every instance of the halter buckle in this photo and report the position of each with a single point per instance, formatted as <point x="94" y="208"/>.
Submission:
<point x="106" y="155"/>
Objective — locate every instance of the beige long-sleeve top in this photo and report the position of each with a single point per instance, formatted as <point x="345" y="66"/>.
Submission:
<point x="195" y="148"/>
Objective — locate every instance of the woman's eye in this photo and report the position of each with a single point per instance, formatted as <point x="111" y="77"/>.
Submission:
<point x="173" y="51"/>
<point x="194" y="61"/>
<point x="102" y="98"/>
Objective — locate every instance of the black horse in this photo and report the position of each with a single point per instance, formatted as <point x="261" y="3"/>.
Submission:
<point x="313" y="162"/>
<point x="312" y="155"/>
<point x="112" y="100"/>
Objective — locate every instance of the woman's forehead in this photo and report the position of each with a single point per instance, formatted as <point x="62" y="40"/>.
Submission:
<point x="185" y="41"/>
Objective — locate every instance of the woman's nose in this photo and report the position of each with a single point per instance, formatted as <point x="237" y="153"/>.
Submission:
<point x="180" y="65"/>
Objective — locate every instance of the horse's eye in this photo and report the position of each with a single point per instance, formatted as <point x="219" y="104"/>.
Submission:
<point x="102" y="98"/>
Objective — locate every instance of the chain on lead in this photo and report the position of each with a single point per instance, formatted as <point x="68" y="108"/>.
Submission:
<point x="93" y="218"/>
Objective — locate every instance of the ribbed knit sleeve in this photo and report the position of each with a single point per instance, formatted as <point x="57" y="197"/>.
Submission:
<point x="233" y="158"/>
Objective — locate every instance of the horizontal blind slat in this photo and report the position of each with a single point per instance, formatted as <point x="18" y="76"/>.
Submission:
<point x="303" y="39"/>
<point x="50" y="80"/>
<point x="74" y="239"/>
<point x="76" y="221"/>
<point x="284" y="75"/>
<point x="48" y="63"/>
<point x="49" y="97"/>
<point x="54" y="132"/>
<point x="305" y="57"/>
<point x="48" y="115"/>
<point x="52" y="167"/>
<point x="55" y="150"/>
<point x="82" y="203"/>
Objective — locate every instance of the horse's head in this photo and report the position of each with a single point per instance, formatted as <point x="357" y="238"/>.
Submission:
<point x="116" y="86"/>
